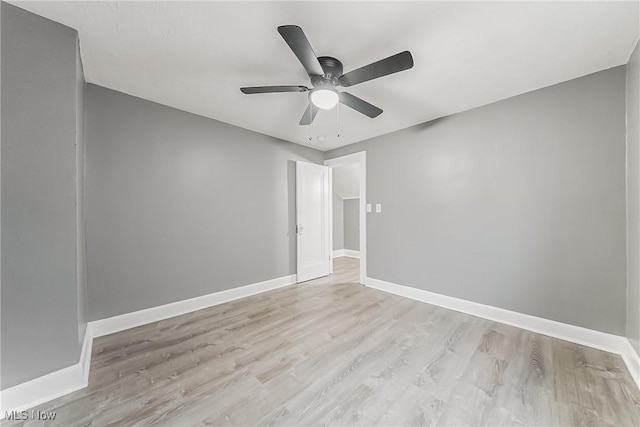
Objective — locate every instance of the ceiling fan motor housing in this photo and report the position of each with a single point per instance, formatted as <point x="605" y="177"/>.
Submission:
<point x="332" y="71"/>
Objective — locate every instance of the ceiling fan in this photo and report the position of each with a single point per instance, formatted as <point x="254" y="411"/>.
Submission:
<point x="326" y="75"/>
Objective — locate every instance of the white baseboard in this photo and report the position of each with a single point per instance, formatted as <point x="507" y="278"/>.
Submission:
<point x="119" y="323"/>
<point x="352" y="253"/>
<point x="50" y="386"/>
<point x="579" y="335"/>
<point x="346" y="252"/>
<point x="632" y="360"/>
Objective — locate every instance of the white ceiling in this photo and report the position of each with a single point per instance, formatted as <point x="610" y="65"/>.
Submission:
<point x="196" y="55"/>
<point x="346" y="180"/>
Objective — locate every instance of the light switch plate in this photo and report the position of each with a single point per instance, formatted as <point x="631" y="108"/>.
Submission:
<point x="368" y="207"/>
<point x="378" y="208"/>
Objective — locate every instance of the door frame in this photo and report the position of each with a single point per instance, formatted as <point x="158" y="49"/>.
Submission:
<point x="359" y="158"/>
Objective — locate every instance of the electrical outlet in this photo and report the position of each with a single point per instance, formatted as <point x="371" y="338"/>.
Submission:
<point x="368" y="207"/>
<point x="378" y="208"/>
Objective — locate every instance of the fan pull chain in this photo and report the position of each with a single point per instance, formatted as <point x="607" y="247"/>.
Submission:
<point x="310" y="121"/>
<point x="338" y="120"/>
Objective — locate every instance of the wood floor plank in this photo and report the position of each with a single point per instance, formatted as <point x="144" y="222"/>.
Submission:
<point x="333" y="352"/>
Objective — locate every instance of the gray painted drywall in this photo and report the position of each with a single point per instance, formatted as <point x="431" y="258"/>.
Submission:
<point x="39" y="286"/>
<point x="633" y="199"/>
<point x="179" y="206"/>
<point x="338" y="222"/>
<point x="518" y="204"/>
<point x="352" y="224"/>
<point x="81" y="274"/>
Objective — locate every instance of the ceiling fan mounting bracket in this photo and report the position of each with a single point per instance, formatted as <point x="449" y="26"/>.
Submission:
<point x="331" y="66"/>
<point x="332" y="71"/>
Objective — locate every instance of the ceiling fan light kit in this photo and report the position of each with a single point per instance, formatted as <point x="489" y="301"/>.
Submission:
<point x="326" y="75"/>
<point x="324" y="98"/>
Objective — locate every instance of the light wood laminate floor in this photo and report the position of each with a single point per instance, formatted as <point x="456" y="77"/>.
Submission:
<point x="333" y="352"/>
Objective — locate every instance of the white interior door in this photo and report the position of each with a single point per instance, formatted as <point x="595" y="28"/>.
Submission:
<point x="312" y="219"/>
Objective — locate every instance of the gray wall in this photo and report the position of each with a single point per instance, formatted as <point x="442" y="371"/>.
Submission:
<point x="81" y="274"/>
<point x="39" y="283"/>
<point x="633" y="199"/>
<point x="519" y="204"/>
<point x="352" y="224"/>
<point x="179" y="205"/>
<point x="338" y="222"/>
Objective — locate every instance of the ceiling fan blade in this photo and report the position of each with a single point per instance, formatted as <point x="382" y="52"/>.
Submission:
<point x="393" y="64"/>
<point x="272" y="89"/>
<point x="359" y="105"/>
<point x="297" y="41"/>
<point x="309" y="115"/>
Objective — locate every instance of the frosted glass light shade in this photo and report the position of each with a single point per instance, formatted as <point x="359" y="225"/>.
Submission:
<point x="324" y="98"/>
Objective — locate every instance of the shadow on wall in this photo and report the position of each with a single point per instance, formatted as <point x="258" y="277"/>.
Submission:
<point x="420" y="127"/>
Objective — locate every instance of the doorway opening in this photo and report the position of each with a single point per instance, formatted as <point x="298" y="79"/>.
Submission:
<point x="348" y="219"/>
